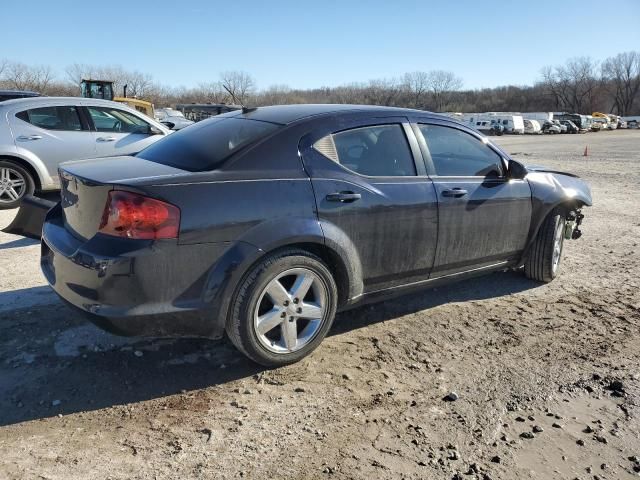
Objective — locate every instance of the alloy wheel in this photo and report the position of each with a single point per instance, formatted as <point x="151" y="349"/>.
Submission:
<point x="13" y="185"/>
<point x="557" y="245"/>
<point x="290" y="310"/>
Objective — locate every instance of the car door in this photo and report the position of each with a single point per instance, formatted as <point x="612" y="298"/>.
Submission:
<point x="55" y="132"/>
<point x="483" y="215"/>
<point x="371" y="187"/>
<point x="119" y="132"/>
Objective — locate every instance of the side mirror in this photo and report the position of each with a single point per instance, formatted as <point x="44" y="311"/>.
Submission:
<point x="516" y="170"/>
<point x="155" y="131"/>
<point x="169" y="125"/>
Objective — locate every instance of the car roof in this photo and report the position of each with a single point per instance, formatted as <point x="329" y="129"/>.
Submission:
<point x="285" y="114"/>
<point x="19" y="92"/>
<point x="35" y="101"/>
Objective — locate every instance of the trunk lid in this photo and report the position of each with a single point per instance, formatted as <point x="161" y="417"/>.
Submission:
<point x="85" y="186"/>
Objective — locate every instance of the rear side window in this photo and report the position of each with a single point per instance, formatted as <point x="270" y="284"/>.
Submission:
<point x="457" y="154"/>
<point x="376" y="151"/>
<point x="205" y="145"/>
<point x="52" y="118"/>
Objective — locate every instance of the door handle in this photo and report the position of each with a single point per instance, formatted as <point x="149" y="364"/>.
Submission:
<point x="106" y="139"/>
<point x="343" y="197"/>
<point x="25" y="138"/>
<point x="454" y="192"/>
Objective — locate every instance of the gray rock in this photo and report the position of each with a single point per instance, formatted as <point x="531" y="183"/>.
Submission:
<point x="538" y="429"/>
<point x="601" y="439"/>
<point x="528" y="435"/>
<point x="451" y="397"/>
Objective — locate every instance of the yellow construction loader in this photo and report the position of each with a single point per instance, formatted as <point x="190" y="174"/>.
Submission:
<point x="104" y="89"/>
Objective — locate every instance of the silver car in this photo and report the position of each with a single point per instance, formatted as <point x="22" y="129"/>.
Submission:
<point x="37" y="134"/>
<point x="171" y="118"/>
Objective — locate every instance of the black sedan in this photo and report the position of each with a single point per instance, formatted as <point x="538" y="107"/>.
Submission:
<point x="263" y="223"/>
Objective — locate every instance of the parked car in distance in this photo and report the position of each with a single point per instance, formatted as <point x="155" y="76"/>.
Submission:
<point x="632" y="124"/>
<point x="262" y="223"/>
<point x="551" y="127"/>
<point x="172" y="118"/>
<point x="599" y="123"/>
<point x="13" y="94"/>
<point x="571" y="127"/>
<point x="40" y="133"/>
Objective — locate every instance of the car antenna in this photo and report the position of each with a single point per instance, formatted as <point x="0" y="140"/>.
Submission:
<point x="245" y="109"/>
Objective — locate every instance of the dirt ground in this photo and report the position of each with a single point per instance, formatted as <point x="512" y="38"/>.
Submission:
<point x="558" y="363"/>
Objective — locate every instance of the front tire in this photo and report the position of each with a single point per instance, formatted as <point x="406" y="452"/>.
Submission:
<point x="543" y="261"/>
<point x="283" y="308"/>
<point x="15" y="183"/>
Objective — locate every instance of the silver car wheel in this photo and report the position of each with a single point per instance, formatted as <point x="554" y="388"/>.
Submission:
<point x="13" y="185"/>
<point x="290" y="310"/>
<point x="557" y="245"/>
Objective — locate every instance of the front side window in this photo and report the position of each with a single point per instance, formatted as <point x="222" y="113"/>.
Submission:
<point x="377" y="151"/>
<point x="107" y="119"/>
<point x="52" y="118"/>
<point x="457" y="154"/>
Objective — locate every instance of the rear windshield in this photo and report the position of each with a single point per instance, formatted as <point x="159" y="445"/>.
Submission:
<point x="205" y="145"/>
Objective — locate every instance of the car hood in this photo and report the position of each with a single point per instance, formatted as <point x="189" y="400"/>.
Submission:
<point x="542" y="168"/>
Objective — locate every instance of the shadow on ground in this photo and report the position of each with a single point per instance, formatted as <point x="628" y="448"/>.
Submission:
<point x="22" y="242"/>
<point x="50" y="354"/>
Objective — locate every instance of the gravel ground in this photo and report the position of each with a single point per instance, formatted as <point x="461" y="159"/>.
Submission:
<point x="547" y="376"/>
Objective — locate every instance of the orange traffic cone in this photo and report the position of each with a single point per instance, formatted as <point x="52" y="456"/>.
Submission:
<point x="586" y="151"/>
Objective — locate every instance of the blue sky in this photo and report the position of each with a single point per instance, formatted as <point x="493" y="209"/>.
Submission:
<point x="318" y="43"/>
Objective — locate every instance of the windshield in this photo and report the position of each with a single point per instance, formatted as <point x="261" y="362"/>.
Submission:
<point x="204" y="146"/>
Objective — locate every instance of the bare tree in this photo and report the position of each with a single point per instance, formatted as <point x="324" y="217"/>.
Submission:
<point x="213" y="92"/>
<point x="239" y="85"/>
<point x="417" y="85"/>
<point x="278" y="95"/>
<point x="575" y="86"/>
<point x="138" y="84"/>
<point x="4" y="64"/>
<point x="623" y="74"/>
<point x="25" y="77"/>
<point x="441" y="85"/>
<point x="382" y="92"/>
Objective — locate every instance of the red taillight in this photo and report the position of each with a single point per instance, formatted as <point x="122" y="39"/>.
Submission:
<point x="131" y="215"/>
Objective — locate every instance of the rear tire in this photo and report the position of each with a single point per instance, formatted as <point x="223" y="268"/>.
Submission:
<point x="283" y="308"/>
<point x="543" y="261"/>
<point x="15" y="183"/>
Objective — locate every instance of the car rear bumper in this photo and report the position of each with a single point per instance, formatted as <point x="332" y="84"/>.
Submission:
<point x="132" y="287"/>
